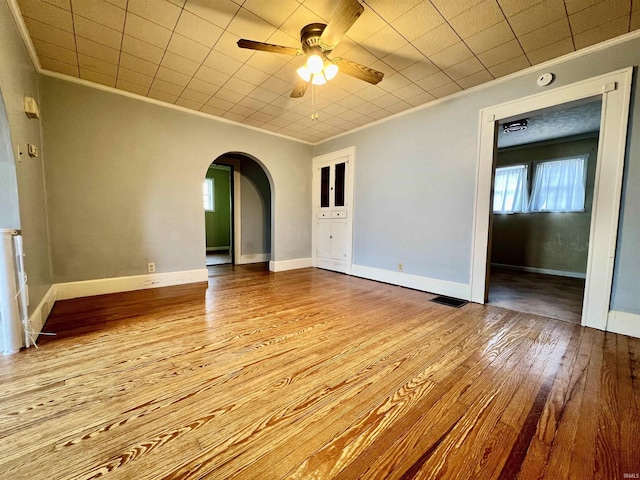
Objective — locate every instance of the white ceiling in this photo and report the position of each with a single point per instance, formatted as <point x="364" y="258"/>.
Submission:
<point x="184" y="52"/>
<point x="553" y="124"/>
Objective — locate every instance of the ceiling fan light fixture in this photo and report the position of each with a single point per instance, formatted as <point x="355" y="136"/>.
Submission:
<point x="318" y="79"/>
<point x="330" y="71"/>
<point x="315" y="64"/>
<point x="304" y="73"/>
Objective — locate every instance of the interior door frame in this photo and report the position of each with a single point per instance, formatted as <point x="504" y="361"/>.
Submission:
<point x="350" y="153"/>
<point x="615" y="90"/>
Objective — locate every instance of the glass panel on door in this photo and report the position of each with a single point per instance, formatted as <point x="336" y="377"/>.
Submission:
<point x="339" y="181"/>
<point x="324" y="186"/>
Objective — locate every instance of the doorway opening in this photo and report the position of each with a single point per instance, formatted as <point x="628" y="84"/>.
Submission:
<point x="614" y="89"/>
<point x="237" y="196"/>
<point x="544" y="173"/>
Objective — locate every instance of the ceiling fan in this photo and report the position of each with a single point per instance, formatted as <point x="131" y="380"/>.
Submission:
<point x="318" y="41"/>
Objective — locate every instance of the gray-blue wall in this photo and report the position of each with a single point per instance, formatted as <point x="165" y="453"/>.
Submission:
<point x="415" y="180"/>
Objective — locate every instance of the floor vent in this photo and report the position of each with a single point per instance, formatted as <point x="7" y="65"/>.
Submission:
<point x="451" y="302"/>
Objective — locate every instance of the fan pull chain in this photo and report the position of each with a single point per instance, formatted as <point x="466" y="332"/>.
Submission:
<point x="314" y="102"/>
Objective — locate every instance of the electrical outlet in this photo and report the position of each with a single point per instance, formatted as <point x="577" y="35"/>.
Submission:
<point x="400" y="267"/>
<point x="151" y="267"/>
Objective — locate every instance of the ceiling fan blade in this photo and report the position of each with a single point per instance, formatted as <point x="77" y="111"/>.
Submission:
<point x="343" y="18"/>
<point x="358" y="71"/>
<point x="300" y="89"/>
<point x="268" y="47"/>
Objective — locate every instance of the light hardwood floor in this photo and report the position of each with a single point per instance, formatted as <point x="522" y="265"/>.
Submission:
<point x="312" y="374"/>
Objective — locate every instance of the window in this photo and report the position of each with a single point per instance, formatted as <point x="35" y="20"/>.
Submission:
<point x="208" y="188"/>
<point x="510" y="193"/>
<point x="559" y="185"/>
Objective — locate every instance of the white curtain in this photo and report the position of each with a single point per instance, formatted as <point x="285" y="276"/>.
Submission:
<point x="558" y="186"/>
<point x="510" y="189"/>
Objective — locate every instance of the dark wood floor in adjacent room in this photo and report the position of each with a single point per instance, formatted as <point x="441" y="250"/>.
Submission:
<point x="312" y="374"/>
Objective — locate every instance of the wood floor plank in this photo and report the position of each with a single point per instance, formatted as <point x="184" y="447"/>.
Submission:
<point x="312" y="374"/>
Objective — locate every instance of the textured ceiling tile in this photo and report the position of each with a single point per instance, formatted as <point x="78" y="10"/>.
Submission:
<point x="186" y="103"/>
<point x="475" y="79"/>
<point x="464" y="69"/>
<point x="251" y="75"/>
<point x="403" y="57"/>
<point x="187" y="48"/>
<point x="299" y="18"/>
<point x="384" y="42"/>
<point x="421" y="99"/>
<point x="162" y="96"/>
<point x="552" y="33"/>
<point x="64" y="4"/>
<point x="57" y="66"/>
<point x="436" y="40"/>
<point x="445" y="90"/>
<point x="273" y="14"/>
<point x="195" y="28"/>
<point x="501" y="54"/>
<point x="420" y="19"/>
<point x="263" y="95"/>
<point x="131" y="76"/>
<point x="222" y="63"/>
<point x="477" y="18"/>
<point x="49" y="34"/>
<point x="97" y="65"/>
<point x="266" y="63"/>
<point x="420" y="70"/>
<point x="409" y="91"/>
<point x="180" y="64"/>
<point x="172" y="76"/>
<point x="244" y="111"/>
<point x="55" y="52"/>
<point x="635" y="20"/>
<point x="394" y="82"/>
<point x="240" y="86"/>
<point x="368" y="24"/>
<point x="220" y="103"/>
<point x="574" y="6"/>
<point x="132" y="87"/>
<point x="203" y="87"/>
<point x="386" y="100"/>
<point x="599" y="14"/>
<point x="513" y="7"/>
<point x="228" y="95"/>
<point x="451" y="8"/>
<point x="147" y="31"/>
<point x="550" y="51"/>
<point x="369" y="93"/>
<point x="635" y="6"/>
<point x="434" y="81"/>
<point x="100" y="12"/>
<point x="46" y="13"/>
<point x="138" y="64"/>
<point x="252" y="103"/>
<point x="248" y="25"/>
<point x="492" y="37"/>
<point x="142" y="49"/>
<point x="451" y="56"/>
<point x="97" y="50"/>
<point x="603" y="32"/>
<point x="510" y="66"/>
<point x="162" y="12"/>
<point x="218" y="112"/>
<point x="118" y="3"/>
<point x="96" y="32"/>
<point x="167" y="87"/>
<point x="277" y="85"/>
<point x="392" y="9"/>
<point x="228" y="44"/>
<point x="401" y="106"/>
<point x="234" y="116"/>
<point x="97" y="77"/>
<point x="220" y="12"/>
<point x="537" y="16"/>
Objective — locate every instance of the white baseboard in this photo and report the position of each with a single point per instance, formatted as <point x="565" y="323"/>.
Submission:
<point x="545" y="271"/>
<point x="253" y="258"/>
<point x="215" y="249"/>
<point x="283" y="265"/>
<point x="39" y="316"/>
<point x="425" y="284"/>
<point x="624" y="323"/>
<point x="124" y="284"/>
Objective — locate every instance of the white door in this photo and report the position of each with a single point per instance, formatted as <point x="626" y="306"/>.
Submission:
<point x="333" y="208"/>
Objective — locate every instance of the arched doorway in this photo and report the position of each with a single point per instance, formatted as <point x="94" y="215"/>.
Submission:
<point x="237" y="196"/>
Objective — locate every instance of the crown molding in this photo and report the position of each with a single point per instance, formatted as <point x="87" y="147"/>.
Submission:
<point x="17" y="15"/>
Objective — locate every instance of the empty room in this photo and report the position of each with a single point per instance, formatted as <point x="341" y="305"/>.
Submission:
<point x="319" y="239"/>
